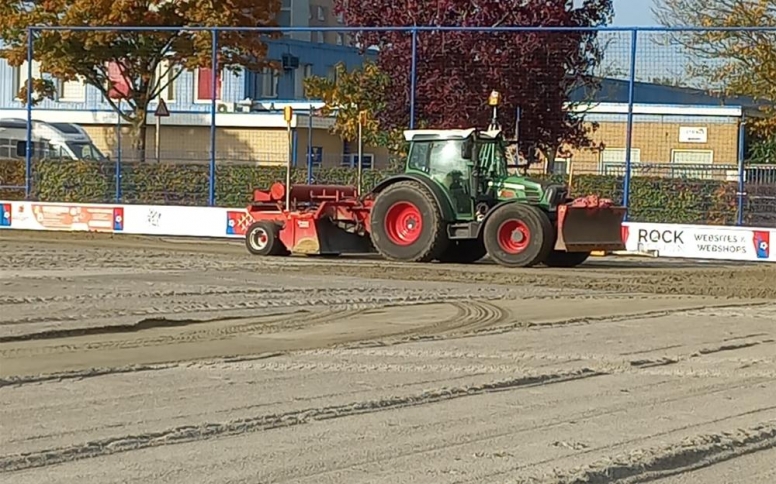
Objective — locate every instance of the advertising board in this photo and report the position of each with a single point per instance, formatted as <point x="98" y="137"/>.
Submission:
<point x="701" y="241"/>
<point x="64" y="216"/>
<point x="174" y="221"/>
<point x="664" y="240"/>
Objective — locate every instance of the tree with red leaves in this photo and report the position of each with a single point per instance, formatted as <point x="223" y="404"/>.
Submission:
<point x="457" y="70"/>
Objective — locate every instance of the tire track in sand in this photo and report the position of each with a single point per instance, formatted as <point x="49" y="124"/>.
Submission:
<point x="257" y="325"/>
<point x="469" y="314"/>
<point x="667" y="460"/>
<point x="191" y="433"/>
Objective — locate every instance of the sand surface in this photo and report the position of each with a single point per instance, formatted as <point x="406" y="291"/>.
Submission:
<point x="132" y="359"/>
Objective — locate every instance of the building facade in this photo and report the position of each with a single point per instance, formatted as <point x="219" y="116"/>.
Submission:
<point x="256" y="135"/>
<point x="676" y="131"/>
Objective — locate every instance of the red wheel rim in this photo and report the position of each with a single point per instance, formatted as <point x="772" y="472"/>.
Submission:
<point x="403" y="223"/>
<point x="513" y="236"/>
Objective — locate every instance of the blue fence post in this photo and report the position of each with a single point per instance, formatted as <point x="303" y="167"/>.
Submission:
<point x="28" y="147"/>
<point x="294" y="147"/>
<point x="413" y="74"/>
<point x="213" y="94"/>
<point x="118" y="153"/>
<point x="310" y="146"/>
<point x="741" y="195"/>
<point x="629" y="134"/>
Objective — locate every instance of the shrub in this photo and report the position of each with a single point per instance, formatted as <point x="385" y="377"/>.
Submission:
<point x="651" y="199"/>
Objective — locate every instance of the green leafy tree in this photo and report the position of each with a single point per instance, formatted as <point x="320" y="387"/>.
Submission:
<point x="360" y="92"/>
<point x="135" y="66"/>
<point x="734" y="62"/>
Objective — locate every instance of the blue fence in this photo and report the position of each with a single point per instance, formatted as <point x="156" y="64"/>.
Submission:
<point x="653" y="119"/>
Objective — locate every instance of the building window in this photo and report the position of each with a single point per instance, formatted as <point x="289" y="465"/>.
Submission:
<point x="697" y="164"/>
<point x="118" y="85"/>
<point x="561" y="166"/>
<point x="613" y="161"/>
<point x="203" y="85"/>
<point x="269" y="83"/>
<point x="20" y="77"/>
<point x="351" y="161"/>
<point x="71" y="91"/>
<point x="340" y="18"/>
<point x="321" y="13"/>
<point x="340" y="39"/>
<point x="331" y="74"/>
<point x="303" y="72"/>
<point x="166" y="81"/>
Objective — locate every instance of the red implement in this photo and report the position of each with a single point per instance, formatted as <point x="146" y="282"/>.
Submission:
<point x="589" y="224"/>
<point x="323" y="219"/>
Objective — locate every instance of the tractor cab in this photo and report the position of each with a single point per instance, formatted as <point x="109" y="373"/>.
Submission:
<point x="472" y="168"/>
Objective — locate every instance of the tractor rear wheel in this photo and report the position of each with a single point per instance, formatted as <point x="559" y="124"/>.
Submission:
<point x="559" y="258"/>
<point x="262" y="238"/>
<point x="518" y="235"/>
<point x="465" y="251"/>
<point x="407" y="224"/>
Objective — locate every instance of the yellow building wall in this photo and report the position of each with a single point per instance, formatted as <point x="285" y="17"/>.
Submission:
<point x="655" y="142"/>
<point x="263" y="146"/>
<point x="190" y="144"/>
<point x="333" y="149"/>
<point x="268" y="146"/>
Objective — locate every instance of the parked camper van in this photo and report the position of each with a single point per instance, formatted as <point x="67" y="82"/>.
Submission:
<point x="50" y="140"/>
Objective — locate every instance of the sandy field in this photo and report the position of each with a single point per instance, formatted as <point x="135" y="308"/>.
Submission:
<point x="131" y="359"/>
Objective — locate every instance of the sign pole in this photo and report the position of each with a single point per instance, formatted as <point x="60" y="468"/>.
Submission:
<point x="288" y="114"/>
<point x="361" y="117"/>
<point x="161" y="112"/>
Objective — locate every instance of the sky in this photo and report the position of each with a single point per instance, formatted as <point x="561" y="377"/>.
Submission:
<point x="633" y="13"/>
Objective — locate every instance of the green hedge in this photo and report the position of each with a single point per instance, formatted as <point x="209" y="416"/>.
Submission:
<point x="651" y="199"/>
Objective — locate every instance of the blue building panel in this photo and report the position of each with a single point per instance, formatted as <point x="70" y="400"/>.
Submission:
<point x="320" y="57"/>
<point x="235" y="87"/>
<point x="618" y="91"/>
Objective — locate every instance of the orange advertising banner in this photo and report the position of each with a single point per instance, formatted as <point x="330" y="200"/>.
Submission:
<point x="49" y="216"/>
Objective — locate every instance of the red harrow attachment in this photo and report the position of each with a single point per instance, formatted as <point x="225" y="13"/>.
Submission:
<point x="320" y="219"/>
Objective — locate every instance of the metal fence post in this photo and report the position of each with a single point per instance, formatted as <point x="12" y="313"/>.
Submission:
<point x="213" y="95"/>
<point x="28" y="147"/>
<point x="741" y="195"/>
<point x="310" y="145"/>
<point x="117" y="174"/>
<point x="629" y="134"/>
<point x="413" y="75"/>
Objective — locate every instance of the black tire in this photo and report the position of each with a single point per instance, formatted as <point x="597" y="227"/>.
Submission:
<point x="411" y="203"/>
<point x="529" y="221"/>
<point x="466" y="251"/>
<point x="558" y="258"/>
<point x="261" y="238"/>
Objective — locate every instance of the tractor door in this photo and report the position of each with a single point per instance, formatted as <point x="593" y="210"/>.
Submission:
<point x="448" y="167"/>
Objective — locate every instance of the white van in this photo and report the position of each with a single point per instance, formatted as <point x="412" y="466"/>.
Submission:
<point x="50" y="140"/>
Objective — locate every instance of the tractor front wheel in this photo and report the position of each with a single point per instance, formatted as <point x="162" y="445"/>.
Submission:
<point x="262" y="238"/>
<point x="518" y="235"/>
<point x="407" y="224"/>
<point x="559" y="258"/>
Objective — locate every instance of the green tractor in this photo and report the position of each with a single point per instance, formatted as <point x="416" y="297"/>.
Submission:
<point x="457" y="202"/>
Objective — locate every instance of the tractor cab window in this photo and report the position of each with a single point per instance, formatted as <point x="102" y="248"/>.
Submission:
<point x="446" y="160"/>
<point x="418" y="159"/>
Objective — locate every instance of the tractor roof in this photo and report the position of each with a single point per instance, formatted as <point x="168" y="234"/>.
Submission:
<point x="441" y="134"/>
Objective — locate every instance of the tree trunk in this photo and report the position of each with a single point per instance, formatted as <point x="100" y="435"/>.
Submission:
<point x="138" y="133"/>
<point x="549" y="155"/>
